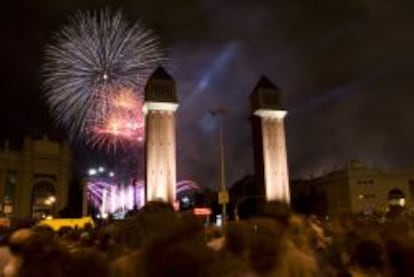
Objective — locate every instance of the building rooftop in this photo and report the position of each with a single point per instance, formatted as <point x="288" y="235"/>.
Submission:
<point x="265" y="83"/>
<point x="160" y="74"/>
<point x="265" y="95"/>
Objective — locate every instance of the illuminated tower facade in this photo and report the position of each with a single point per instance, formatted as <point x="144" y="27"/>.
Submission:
<point x="269" y="141"/>
<point x="160" y="147"/>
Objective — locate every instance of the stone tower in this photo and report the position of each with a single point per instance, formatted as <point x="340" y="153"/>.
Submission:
<point x="269" y="141"/>
<point x="160" y="147"/>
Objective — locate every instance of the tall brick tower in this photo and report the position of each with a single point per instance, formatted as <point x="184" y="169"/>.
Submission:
<point x="160" y="147"/>
<point x="269" y="141"/>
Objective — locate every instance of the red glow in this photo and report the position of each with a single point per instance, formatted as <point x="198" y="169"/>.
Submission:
<point x="202" y="211"/>
<point x="176" y="206"/>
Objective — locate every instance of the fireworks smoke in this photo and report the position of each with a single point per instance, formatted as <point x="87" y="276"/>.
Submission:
<point x="94" y="57"/>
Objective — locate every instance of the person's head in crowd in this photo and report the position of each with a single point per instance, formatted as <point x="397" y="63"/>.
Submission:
<point x="87" y="262"/>
<point x="237" y="239"/>
<point x="276" y="210"/>
<point x="153" y="218"/>
<point x="363" y="252"/>
<point x="45" y="231"/>
<point x="4" y="237"/>
<point x="299" y="232"/>
<point x="178" y="249"/>
<point x="88" y="227"/>
<point x="103" y="241"/>
<point x="5" y="255"/>
<point x="265" y="239"/>
<point x="368" y="255"/>
<point x="64" y="231"/>
<point x="157" y="206"/>
<point x="130" y="232"/>
<point x="34" y="255"/>
<point x="86" y="239"/>
<point x="401" y="256"/>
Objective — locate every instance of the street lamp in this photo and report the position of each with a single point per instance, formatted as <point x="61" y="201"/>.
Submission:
<point x="92" y="172"/>
<point x="50" y="201"/>
<point x="223" y="195"/>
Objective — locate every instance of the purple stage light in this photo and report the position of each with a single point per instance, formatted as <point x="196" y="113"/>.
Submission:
<point x="112" y="198"/>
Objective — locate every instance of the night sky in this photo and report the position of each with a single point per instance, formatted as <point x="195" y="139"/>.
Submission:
<point x="345" y="68"/>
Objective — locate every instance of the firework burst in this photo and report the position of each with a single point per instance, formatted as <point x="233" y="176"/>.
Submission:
<point x="94" y="57"/>
<point x="122" y="123"/>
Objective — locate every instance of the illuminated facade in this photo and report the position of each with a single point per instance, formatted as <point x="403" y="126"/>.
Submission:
<point x="269" y="141"/>
<point x="361" y="189"/>
<point x="34" y="181"/>
<point x="107" y="196"/>
<point x="160" y="151"/>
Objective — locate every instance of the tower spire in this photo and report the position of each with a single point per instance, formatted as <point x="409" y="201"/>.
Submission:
<point x="269" y="141"/>
<point x="160" y="152"/>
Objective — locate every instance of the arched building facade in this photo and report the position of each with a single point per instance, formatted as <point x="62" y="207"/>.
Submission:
<point x="357" y="188"/>
<point x="34" y="181"/>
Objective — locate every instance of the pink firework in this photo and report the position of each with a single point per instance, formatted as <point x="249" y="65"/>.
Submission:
<point x="118" y="121"/>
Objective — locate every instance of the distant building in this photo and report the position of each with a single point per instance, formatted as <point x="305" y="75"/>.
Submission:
<point x="34" y="181"/>
<point x="356" y="188"/>
<point x="308" y="197"/>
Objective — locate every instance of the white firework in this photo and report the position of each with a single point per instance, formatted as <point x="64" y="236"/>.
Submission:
<point x="91" y="58"/>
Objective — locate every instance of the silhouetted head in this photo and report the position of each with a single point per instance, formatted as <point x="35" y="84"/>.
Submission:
<point x="153" y="218"/>
<point x="45" y="231"/>
<point x="276" y="210"/>
<point x="368" y="254"/>
<point x="157" y="206"/>
<point x="178" y="249"/>
<point x="265" y="239"/>
<point x="40" y="254"/>
<point x="87" y="262"/>
<point x="237" y="238"/>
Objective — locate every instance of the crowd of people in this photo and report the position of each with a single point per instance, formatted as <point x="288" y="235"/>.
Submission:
<point x="157" y="241"/>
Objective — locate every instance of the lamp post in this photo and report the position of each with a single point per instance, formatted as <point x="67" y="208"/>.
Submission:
<point x="223" y="197"/>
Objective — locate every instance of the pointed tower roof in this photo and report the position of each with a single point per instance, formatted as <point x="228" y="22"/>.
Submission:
<point x="265" y="96"/>
<point x="160" y="87"/>
<point x="265" y="83"/>
<point x="160" y="74"/>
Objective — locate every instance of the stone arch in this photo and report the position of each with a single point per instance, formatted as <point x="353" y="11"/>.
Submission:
<point x="43" y="197"/>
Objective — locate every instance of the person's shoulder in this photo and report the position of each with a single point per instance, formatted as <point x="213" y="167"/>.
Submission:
<point x="298" y="261"/>
<point x="4" y="250"/>
<point x="4" y="254"/>
<point x="127" y="265"/>
<point x="128" y="258"/>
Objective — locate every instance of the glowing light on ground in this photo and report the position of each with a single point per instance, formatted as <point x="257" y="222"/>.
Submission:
<point x="122" y="198"/>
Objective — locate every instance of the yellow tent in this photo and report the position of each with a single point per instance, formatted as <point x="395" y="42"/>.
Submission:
<point x="57" y="223"/>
